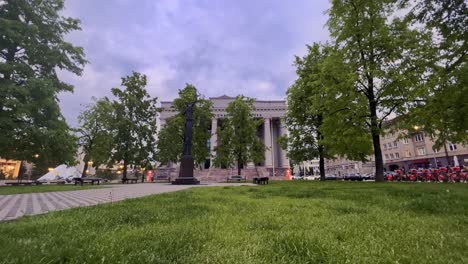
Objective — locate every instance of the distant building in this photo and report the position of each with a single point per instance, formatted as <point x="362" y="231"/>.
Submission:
<point x="399" y="152"/>
<point x="270" y="112"/>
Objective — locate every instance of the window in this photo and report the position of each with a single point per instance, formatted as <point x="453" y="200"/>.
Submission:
<point x="436" y="150"/>
<point x="397" y="155"/>
<point x="421" y="151"/>
<point x="407" y="153"/>
<point x="391" y="156"/>
<point x="452" y="147"/>
<point x="418" y="137"/>
<point x="386" y="156"/>
<point x="385" y="146"/>
<point x="405" y="141"/>
<point x="395" y="144"/>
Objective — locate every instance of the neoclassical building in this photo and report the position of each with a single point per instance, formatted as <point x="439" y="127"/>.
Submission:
<point x="271" y="112"/>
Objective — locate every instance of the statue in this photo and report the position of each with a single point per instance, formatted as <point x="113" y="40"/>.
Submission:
<point x="186" y="162"/>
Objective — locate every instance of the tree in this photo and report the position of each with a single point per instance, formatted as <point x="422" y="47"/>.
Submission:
<point x="32" y="49"/>
<point x="443" y="111"/>
<point x="386" y="58"/>
<point x="237" y="136"/>
<point x="95" y="133"/>
<point x="171" y="136"/>
<point x="134" y="123"/>
<point x="314" y="111"/>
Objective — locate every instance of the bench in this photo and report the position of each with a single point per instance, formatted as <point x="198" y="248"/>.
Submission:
<point x="235" y="178"/>
<point x="57" y="182"/>
<point x="261" y="180"/>
<point x="87" y="180"/>
<point x="18" y="183"/>
<point x="162" y="179"/>
<point x="129" y="180"/>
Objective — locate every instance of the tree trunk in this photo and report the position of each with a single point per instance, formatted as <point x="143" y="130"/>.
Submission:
<point x="124" y="172"/>
<point x="85" y="167"/>
<point x="320" y="149"/>
<point x="446" y="154"/>
<point x="239" y="166"/>
<point x="375" y="132"/>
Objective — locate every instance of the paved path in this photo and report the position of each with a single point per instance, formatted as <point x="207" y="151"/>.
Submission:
<point x="17" y="205"/>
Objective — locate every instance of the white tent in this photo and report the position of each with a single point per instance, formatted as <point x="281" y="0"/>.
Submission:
<point x="455" y="161"/>
<point x="62" y="172"/>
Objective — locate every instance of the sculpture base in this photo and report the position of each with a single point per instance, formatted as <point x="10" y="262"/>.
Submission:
<point x="185" y="181"/>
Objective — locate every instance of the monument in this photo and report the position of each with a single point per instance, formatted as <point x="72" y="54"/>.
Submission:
<point x="186" y="162"/>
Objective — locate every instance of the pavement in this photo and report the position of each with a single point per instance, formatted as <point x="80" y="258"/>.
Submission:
<point x="17" y="205"/>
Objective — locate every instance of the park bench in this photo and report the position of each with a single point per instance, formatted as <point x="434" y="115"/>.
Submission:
<point x="129" y="180"/>
<point x="260" y="180"/>
<point x="235" y="178"/>
<point x="23" y="182"/>
<point x="57" y="182"/>
<point x="162" y="178"/>
<point x="89" y="180"/>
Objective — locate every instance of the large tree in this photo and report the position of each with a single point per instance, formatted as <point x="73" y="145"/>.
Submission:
<point x="95" y="133"/>
<point x="319" y="125"/>
<point x="443" y="111"/>
<point x="387" y="58"/>
<point x="134" y="123"/>
<point x="171" y="135"/>
<point x="32" y="50"/>
<point x="237" y="136"/>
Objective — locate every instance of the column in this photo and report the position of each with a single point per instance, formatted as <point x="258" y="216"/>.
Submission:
<point x="267" y="142"/>
<point x="213" y="140"/>
<point x="284" y="161"/>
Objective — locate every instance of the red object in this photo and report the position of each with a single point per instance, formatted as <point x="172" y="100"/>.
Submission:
<point x="441" y="178"/>
<point x="288" y="175"/>
<point x="390" y="177"/>
<point x="412" y="177"/>
<point x="149" y="175"/>
<point x="414" y="171"/>
<point x="398" y="171"/>
<point x="456" y="169"/>
<point x="443" y="169"/>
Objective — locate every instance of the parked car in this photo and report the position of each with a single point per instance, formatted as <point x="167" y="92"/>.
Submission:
<point x="353" y="177"/>
<point x="368" y="177"/>
<point x="331" y="177"/>
<point x="312" y="177"/>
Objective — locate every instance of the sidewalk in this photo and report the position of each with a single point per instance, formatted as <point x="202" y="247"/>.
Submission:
<point x="17" y="205"/>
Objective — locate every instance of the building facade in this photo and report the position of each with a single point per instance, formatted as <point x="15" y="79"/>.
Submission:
<point x="272" y="127"/>
<point x="415" y="150"/>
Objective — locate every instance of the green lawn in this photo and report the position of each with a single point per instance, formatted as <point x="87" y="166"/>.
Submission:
<point x="44" y="188"/>
<point x="284" y="222"/>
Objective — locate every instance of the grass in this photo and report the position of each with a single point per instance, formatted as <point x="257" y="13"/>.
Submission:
<point x="284" y="222"/>
<point x="4" y="190"/>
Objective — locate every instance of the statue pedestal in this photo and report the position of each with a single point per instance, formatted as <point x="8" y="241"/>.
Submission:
<point x="186" y="172"/>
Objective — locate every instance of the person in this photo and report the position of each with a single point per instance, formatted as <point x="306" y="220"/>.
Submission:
<point x="2" y="175"/>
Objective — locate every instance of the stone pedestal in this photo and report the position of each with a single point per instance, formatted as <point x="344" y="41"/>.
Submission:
<point x="186" y="172"/>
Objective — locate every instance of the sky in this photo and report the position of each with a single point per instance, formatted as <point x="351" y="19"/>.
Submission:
<point x="222" y="47"/>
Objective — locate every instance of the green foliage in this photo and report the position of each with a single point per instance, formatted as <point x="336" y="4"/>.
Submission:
<point x="321" y="121"/>
<point x="134" y="123"/>
<point x="95" y="131"/>
<point x="283" y="222"/>
<point x="171" y="136"/>
<point x="443" y="110"/>
<point x="384" y="59"/>
<point x="32" y="49"/>
<point x="237" y="136"/>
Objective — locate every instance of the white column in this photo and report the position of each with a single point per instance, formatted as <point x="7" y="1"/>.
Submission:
<point x="284" y="161"/>
<point x="267" y="142"/>
<point x="214" y="139"/>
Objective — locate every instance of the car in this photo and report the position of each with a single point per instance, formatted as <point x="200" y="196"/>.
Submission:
<point x="368" y="177"/>
<point x="353" y="177"/>
<point x="312" y="177"/>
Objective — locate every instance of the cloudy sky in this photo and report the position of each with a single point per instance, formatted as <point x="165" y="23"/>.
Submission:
<point x="221" y="46"/>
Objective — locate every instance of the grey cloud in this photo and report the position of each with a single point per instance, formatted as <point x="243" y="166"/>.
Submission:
<point x="222" y="47"/>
